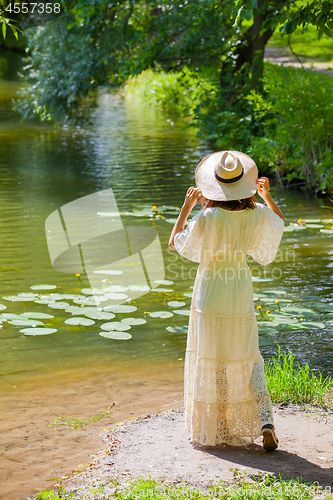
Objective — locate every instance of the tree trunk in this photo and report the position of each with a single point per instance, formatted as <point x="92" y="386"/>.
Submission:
<point x="250" y="50"/>
<point x="258" y="48"/>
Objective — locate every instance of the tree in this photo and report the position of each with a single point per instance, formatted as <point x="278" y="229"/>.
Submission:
<point x="247" y="48"/>
<point x="103" y="41"/>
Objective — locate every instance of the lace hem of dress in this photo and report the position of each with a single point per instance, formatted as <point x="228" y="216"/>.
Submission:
<point x="217" y="423"/>
<point x="225" y="402"/>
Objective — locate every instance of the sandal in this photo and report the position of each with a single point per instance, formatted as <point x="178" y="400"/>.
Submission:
<point x="270" y="441"/>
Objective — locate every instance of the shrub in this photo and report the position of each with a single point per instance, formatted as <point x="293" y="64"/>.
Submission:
<point x="298" y="124"/>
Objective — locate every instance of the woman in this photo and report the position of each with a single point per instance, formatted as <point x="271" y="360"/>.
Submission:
<point x="226" y="397"/>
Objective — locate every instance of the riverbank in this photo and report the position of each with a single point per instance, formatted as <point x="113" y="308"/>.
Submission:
<point x="33" y="455"/>
<point x="158" y="446"/>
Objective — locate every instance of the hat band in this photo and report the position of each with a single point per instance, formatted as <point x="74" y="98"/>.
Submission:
<point x="228" y="181"/>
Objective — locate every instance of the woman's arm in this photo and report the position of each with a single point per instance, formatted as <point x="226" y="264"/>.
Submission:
<point x="263" y="191"/>
<point x="193" y="196"/>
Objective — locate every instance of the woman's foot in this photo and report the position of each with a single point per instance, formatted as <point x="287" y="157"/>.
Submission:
<point x="270" y="441"/>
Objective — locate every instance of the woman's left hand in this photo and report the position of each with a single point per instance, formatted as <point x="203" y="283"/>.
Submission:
<point x="193" y="196"/>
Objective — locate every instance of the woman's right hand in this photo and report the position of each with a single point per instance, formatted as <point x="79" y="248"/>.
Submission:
<point x="193" y="196"/>
<point x="263" y="186"/>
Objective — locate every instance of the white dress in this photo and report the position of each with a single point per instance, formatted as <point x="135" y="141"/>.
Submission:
<point x="225" y="394"/>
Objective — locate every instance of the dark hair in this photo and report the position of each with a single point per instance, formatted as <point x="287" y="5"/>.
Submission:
<point x="244" y="204"/>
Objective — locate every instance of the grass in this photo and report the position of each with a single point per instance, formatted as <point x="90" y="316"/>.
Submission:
<point x="76" y="423"/>
<point x="286" y="383"/>
<point x="242" y="486"/>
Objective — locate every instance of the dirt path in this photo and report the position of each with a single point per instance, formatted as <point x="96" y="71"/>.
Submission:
<point x="283" y="55"/>
<point x="158" y="446"/>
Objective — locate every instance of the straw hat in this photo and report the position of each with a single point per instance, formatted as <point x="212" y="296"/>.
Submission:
<point x="227" y="175"/>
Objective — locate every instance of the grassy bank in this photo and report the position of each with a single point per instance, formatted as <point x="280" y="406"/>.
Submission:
<point x="288" y="129"/>
<point x="288" y="383"/>
<point x="242" y="487"/>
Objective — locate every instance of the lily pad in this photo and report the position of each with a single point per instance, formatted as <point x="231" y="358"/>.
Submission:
<point x="271" y="300"/>
<point x="15" y="298"/>
<point x="188" y="294"/>
<point x="120" y="308"/>
<point x="37" y="315"/>
<point x="88" y="301"/>
<point x="43" y="287"/>
<point x="268" y="331"/>
<point x="134" y="321"/>
<point x="139" y="288"/>
<point x="165" y="290"/>
<point x="176" y="303"/>
<point x="164" y="282"/>
<point x="58" y="305"/>
<point x="312" y="220"/>
<point x="312" y="324"/>
<point x="100" y="315"/>
<point x="76" y="310"/>
<point x="116" y="296"/>
<point x="259" y="279"/>
<point x="116" y="335"/>
<point x="327" y="221"/>
<point x="38" y="331"/>
<point x="161" y="314"/>
<point x="44" y="301"/>
<point x="297" y="310"/>
<point x="79" y="321"/>
<point x="2" y="307"/>
<point x="177" y="329"/>
<point x="315" y="225"/>
<point x="326" y="231"/>
<point x="115" y="325"/>
<point x="294" y="227"/>
<point x="264" y="341"/>
<point x="273" y="292"/>
<point x="70" y="296"/>
<point x="11" y="316"/>
<point x="324" y="307"/>
<point x="26" y="322"/>
<point x="280" y="320"/>
<point x="92" y="291"/>
<point x="183" y="312"/>
<point x="266" y="324"/>
<point x="295" y="326"/>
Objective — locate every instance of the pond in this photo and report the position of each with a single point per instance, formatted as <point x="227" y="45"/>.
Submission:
<point x="148" y="160"/>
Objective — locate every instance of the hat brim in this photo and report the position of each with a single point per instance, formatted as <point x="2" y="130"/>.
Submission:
<point x="212" y="189"/>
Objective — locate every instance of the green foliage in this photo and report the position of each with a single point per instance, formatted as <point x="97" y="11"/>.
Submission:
<point x="286" y="383"/>
<point x="4" y="22"/>
<point x="243" y="485"/>
<point x="178" y="92"/>
<point x="289" y="15"/>
<point x="98" y="43"/>
<point x="298" y="128"/>
<point x="62" y="70"/>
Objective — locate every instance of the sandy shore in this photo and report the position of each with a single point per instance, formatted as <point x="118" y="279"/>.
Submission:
<point x="158" y="446"/>
<point x="34" y="455"/>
